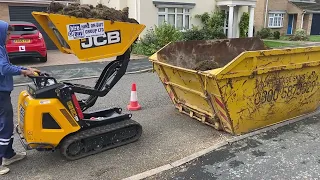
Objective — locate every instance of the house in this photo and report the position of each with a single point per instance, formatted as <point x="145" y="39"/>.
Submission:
<point x="286" y="16"/>
<point x="181" y="13"/>
<point x="20" y="10"/>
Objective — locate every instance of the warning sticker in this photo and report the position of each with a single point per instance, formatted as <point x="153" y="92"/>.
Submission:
<point x="85" y="30"/>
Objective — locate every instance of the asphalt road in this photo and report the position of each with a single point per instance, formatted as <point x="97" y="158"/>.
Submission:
<point x="287" y="153"/>
<point x="167" y="136"/>
<point x="290" y="152"/>
<point x="83" y="70"/>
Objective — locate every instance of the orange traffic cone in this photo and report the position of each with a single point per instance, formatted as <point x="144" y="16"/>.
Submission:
<point x="134" y="105"/>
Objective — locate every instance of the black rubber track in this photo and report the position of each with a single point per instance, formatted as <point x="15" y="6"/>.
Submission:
<point x="101" y="131"/>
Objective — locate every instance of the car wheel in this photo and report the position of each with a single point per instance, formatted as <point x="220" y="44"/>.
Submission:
<point x="44" y="59"/>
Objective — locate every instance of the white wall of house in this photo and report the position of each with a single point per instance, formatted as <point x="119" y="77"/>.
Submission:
<point x="172" y="12"/>
<point x="117" y="4"/>
<point x="181" y="13"/>
<point x="238" y="12"/>
<point x="145" y="11"/>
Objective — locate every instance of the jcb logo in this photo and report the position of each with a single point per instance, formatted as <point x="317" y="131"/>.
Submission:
<point x="72" y="110"/>
<point x="111" y="37"/>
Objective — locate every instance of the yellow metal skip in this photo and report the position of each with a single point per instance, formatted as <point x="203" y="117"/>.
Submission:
<point x="254" y="90"/>
<point x="114" y="40"/>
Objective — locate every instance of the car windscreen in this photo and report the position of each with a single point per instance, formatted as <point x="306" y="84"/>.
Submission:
<point x="24" y="30"/>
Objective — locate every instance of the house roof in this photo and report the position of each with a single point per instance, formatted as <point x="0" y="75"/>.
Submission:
<point x="308" y="6"/>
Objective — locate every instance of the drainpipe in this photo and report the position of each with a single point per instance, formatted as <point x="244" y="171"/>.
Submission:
<point x="136" y="8"/>
<point x="302" y="18"/>
<point x="266" y="14"/>
<point x="137" y="15"/>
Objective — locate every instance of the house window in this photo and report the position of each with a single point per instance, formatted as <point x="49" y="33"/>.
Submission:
<point x="178" y="17"/>
<point x="276" y="20"/>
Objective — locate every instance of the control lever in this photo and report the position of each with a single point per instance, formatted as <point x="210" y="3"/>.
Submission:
<point x="42" y="79"/>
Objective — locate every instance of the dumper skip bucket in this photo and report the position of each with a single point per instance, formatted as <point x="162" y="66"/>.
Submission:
<point x="88" y="39"/>
<point x="238" y="85"/>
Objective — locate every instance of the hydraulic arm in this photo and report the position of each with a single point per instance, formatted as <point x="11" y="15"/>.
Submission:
<point x="111" y="74"/>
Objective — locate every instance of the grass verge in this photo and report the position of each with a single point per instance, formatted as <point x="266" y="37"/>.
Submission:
<point x="275" y="44"/>
<point x="314" y="38"/>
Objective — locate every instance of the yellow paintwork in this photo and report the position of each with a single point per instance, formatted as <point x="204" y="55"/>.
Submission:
<point x="31" y="125"/>
<point x="256" y="89"/>
<point x="129" y="33"/>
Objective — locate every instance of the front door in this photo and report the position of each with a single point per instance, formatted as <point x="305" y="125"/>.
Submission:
<point x="315" y="26"/>
<point x="290" y="24"/>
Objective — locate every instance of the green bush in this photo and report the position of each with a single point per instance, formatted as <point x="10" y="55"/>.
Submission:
<point x="156" y="38"/>
<point x="276" y="35"/>
<point x="244" y="24"/>
<point x="201" y="34"/>
<point x="147" y="44"/>
<point x="264" y="33"/>
<point x="167" y="33"/>
<point x="213" y="24"/>
<point x="194" y="34"/>
<point x="299" y="35"/>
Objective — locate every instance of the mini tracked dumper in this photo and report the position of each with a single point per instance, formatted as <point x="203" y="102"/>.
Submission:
<point x="51" y="117"/>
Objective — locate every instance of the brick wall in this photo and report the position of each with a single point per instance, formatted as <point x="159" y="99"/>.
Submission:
<point x="273" y="5"/>
<point x="277" y="5"/>
<point x="259" y="15"/>
<point x="4" y="13"/>
<point x="307" y="23"/>
<point x="293" y="9"/>
<point x="280" y="5"/>
<point x="295" y="23"/>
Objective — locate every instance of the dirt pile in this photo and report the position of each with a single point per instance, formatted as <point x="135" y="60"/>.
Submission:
<point x="206" y="65"/>
<point x="89" y="11"/>
<point x="203" y="55"/>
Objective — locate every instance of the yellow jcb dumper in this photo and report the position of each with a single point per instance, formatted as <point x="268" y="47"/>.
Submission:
<point x="50" y="115"/>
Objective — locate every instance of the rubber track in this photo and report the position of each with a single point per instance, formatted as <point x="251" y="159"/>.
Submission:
<point x="88" y="133"/>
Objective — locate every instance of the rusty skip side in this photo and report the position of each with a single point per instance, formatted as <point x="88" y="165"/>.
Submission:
<point x="268" y="87"/>
<point x="177" y="83"/>
<point x="253" y="90"/>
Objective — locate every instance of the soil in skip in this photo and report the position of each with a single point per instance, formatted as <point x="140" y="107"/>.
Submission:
<point x="204" y="55"/>
<point x="91" y="12"/>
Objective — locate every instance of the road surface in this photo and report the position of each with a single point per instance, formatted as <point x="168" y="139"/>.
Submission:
<point x="167" y="136"/>
<point x="290" y="152"/>
<point x="287" y="153"/>
<point x="84" y="69"/>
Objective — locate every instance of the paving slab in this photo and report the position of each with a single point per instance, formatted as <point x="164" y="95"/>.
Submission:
<point x="167" y="137"/>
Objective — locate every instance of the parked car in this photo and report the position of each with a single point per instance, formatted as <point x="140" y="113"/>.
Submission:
<point x="26" y="41"/>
